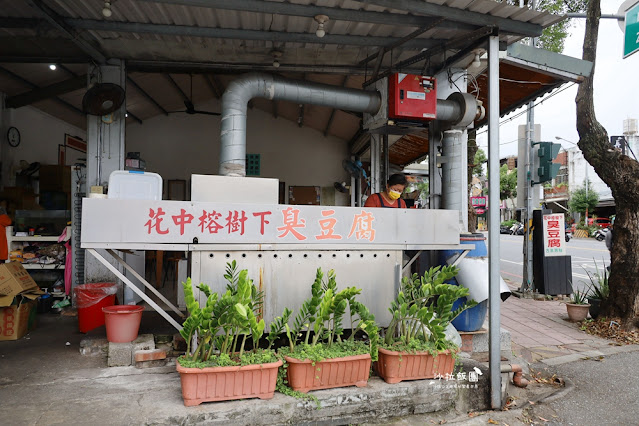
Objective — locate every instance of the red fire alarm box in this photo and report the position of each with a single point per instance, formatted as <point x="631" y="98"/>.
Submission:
<point x="412" y="97"/>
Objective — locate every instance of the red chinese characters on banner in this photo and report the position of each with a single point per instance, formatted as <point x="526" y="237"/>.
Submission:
<point x="238" y="221"/>
<point x="555" y="242"/>
<point x="291" y="222"/>
<point x="182" y="219"/>
<point x="155" y="222"/>
<point x="235" y="221"/>
<point x="553" y="233"/>
<point x="328" y="227"/>
<point x="363" y="226"/>
<point x="210" y="221"/>
<point x="263" y="221"/>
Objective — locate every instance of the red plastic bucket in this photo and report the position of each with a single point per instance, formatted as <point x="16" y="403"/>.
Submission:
<point x="122" y="322"/>
<point x="90" y="299"/>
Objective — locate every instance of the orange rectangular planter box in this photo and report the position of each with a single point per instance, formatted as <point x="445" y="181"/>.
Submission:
<point x="226" y="383"/>
<point x="353" y="370"/>
<point x="394" y="367"/>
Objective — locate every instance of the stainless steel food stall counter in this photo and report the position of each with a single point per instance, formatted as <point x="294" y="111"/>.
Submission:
<point x="280" y="245"/>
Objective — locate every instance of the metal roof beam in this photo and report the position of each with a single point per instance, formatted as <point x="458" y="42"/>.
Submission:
<point x="146" y="95"/>
<point x="11" y="59"/>
<point x="59" y="23"/>
<point x="10" y="22"/>
<point x="215" y="85"/>
<point x="51" y="91"/>
<point x="231" y="33"/>
<point x="309" y="11"/>
<point x="457" y="43"/>
<point x="461" y="15"/>
<point x="183" y="67"/>
<point x="133" y="116"/>
<point x="35" y="86"/>
<point x="177" y="87"/>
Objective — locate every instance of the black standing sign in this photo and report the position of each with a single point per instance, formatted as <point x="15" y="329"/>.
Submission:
<point x="551" y="275"/>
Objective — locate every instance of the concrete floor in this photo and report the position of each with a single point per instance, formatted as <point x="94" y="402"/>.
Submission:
<point x="45" y="380"/>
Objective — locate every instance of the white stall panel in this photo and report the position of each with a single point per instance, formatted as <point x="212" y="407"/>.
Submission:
<point x="286" y="276"/>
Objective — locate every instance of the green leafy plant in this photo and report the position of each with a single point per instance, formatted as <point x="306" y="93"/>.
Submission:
<point x="579" y="297"/>
<point x="224" y="323"/>
<point x="599" y="288"/>
<point x="323" y="315"/>
<point x="423" y="309"/>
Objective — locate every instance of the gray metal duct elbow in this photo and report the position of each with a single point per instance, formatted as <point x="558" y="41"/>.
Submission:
<point x="459" y="110"/>
<point x="255" y="85"/>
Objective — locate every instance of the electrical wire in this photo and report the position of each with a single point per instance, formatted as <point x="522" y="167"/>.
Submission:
<point x="534" y="105"/>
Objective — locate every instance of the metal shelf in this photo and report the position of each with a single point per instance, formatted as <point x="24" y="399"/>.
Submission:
<point x="42" y="266"/>
<point x="34" y="239"/>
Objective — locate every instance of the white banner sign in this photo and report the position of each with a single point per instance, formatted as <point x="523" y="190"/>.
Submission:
<point x="554" y="235"/>
<point x="144" y="221"/>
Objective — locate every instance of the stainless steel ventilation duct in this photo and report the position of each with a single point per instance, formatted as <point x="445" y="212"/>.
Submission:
<point x="254" y="85"/>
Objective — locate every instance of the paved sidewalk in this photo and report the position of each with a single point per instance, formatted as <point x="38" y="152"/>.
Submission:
<point x="540" y="331"/>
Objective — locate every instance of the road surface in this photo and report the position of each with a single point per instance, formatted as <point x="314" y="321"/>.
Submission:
<point x="586" y="255"/>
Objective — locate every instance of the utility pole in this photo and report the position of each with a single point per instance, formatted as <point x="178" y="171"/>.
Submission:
<point x="527" y="284"/>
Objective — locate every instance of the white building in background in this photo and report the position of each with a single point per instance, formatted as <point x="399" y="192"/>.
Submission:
<point x="579" y="169"/>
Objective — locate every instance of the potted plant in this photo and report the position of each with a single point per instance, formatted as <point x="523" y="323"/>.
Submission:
<point x="219" y="367"/>
<point x="317" y="357"/>
<point x="578" y="306"/>
<point x="599" y="290"/>
<point x="415" y="346"/>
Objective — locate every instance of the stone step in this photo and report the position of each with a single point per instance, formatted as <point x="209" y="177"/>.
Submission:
<point x="474" y="342"/>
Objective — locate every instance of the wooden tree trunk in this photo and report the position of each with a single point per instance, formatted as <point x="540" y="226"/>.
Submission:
<point x="621" y="174"/>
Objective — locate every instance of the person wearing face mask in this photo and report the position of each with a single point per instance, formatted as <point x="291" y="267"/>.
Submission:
<point x="390" y="198"/>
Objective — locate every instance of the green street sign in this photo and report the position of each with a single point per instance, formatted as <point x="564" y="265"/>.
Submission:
<point x="631" y="31"/>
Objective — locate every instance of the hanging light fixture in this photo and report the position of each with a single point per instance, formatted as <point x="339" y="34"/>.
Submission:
<point x="276" y="54"/>
<point x="321" y="20"/>
<point x="476" y="62"/>
<point x="106" y="11"/>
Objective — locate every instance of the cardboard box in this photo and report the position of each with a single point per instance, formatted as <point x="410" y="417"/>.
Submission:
<point x="14" y="281"/>
<point x="17" y="320"/>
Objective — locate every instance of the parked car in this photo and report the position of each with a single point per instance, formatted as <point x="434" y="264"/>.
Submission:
<point x="602" y="222"/>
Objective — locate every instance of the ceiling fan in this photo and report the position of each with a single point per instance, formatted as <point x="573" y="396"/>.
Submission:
<point x="190" y="108"/>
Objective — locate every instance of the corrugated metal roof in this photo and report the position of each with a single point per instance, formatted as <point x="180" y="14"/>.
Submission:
<point x="223" y="37"/>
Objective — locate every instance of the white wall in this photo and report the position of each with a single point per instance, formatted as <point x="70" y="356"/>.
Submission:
<point x="180" y="145"/>
<point x="40" y="136"/>
<point x="577" y="170"/>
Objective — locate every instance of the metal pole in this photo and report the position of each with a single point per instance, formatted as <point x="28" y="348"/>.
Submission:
<point x="528" y="260"/>
<point x="493" y="221"/>
<point x="586" y="219"/>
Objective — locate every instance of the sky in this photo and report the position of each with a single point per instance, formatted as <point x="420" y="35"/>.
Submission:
<point x="616" y="90"/>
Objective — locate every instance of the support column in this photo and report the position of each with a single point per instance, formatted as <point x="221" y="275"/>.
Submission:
<point x="434" y="175"/>
<point x="494" y="299"/>
<point x="454" y="192"/>
<point x="105" y="154"/>
<point x="376" y="163"/>
<point x="4" y="163"/>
